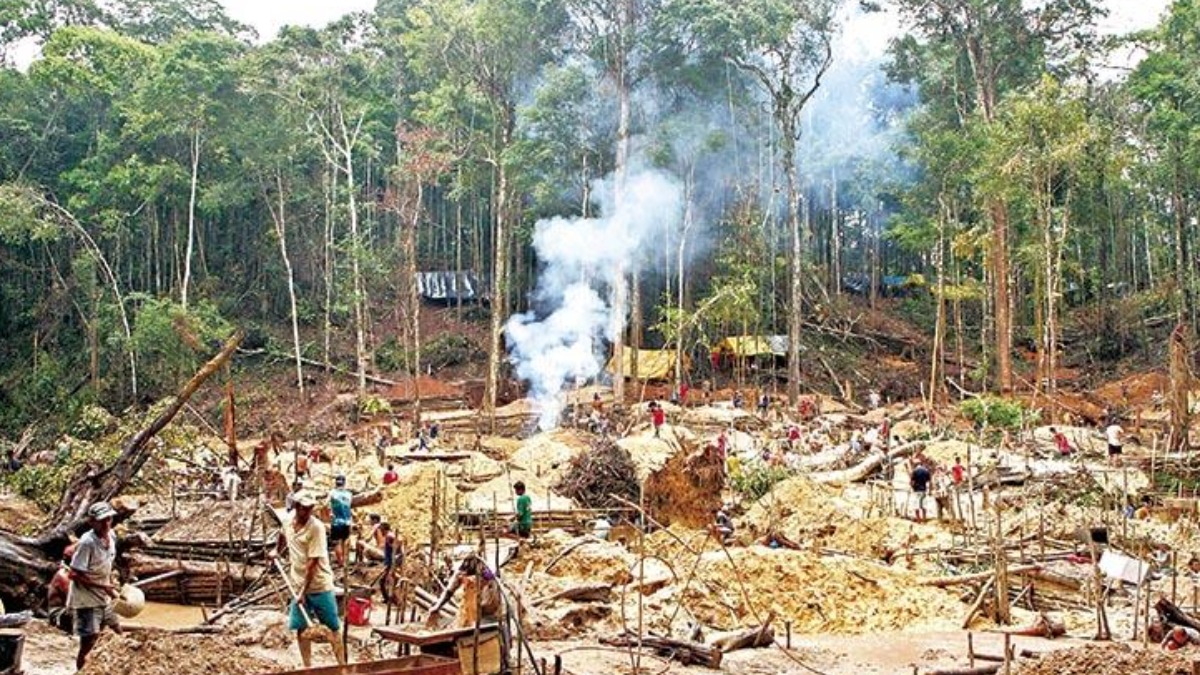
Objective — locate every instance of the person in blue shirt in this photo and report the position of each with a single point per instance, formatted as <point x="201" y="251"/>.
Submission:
<point x="339" y="506"/>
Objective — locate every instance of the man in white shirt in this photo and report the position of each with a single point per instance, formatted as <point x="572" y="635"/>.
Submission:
<point x="92" y="591"/>
<point x="1113" y="433"/>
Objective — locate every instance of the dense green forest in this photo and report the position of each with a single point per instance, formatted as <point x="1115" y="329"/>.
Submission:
<point x="165" y="176"/>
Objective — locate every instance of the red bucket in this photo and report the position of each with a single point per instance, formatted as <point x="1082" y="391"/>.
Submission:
<point x="358" y="612"/>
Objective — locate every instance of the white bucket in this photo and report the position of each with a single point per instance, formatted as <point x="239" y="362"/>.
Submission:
<point x="131" y="602"/>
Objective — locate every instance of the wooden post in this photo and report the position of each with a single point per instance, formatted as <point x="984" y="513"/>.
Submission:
<point x="1001" y="562"/>
<point x="970" y="650"/>
<point x="1137" y="609"/>
<point x="787" y="626"/>
<point x="1008" y="652"/>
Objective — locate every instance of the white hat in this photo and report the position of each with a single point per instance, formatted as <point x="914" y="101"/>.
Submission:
<point x="101" y="511"/>
<point x="463" y="551"/>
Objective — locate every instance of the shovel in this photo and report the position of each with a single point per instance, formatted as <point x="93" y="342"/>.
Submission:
<point x="314" y="632"/>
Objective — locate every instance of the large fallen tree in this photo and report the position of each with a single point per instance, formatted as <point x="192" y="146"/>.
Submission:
<point x="28" y="563"/>
<point x="872" y="463"/>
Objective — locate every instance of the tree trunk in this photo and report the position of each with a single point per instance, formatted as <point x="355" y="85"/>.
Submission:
<point x="620" y="289"/>
<point x="279" y="217"/>
<point x="1180" y="387"/>
<point x="414" y="299"/>
<point x="191" y="226"/>
<point x="499" y="267"/>
<point x="796" y="316"/>
<point x="1002" y="310"/>
<point x="27" y="564"/>
<point x="360" y="342"/>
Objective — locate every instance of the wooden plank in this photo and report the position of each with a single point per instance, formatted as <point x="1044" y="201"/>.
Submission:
<point x="414" y="634"/>
<point x="422" y="664"/>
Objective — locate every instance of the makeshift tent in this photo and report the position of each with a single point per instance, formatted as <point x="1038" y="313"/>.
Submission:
<point x="653" y="364"/>
<point x="747" y="346"/>
<point x="450" y="287"/>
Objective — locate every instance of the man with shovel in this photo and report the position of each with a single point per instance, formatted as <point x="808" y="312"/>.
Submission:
<point x="309" y="579"/>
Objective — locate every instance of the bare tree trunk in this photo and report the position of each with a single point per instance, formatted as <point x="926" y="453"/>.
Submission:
<point x="328" y="272"/>
<point x="835" y="239"/>
<point x="360" y="343"/>
<point x="1002" y="310"/>
<point x="620" y="289"/>
<point x="499" y="268"/>
<point x="191" y="231"/>
<point x="279" y="217"/>
<point x="796" y="316"/>
<point x="1180" y="387"/>
<point x="939" y="330"/>
<point x="414" y="298"/>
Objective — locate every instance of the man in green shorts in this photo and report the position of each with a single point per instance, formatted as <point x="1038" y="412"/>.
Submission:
<point x="304" y="540"/>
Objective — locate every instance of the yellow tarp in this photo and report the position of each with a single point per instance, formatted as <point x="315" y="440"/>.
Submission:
<point x="745" y="346"/>
<point x="653" y="364"/>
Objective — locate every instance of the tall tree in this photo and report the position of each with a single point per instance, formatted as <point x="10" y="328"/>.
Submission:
<point x="785" y="46"/>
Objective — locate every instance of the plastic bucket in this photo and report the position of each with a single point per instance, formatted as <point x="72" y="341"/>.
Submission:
<point x="358" y="611"/>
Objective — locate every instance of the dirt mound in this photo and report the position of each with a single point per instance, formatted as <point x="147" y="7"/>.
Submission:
<point x="1108" y="660"/>
<point x="547" y="454"/>
<point x="430" y="388"/>
<point x="166" y="654"/>
<point x="408" y="503"/>
<point x="816" y="594"/>
<point x="795" y="507"/>
<point x="1134" y="390"/>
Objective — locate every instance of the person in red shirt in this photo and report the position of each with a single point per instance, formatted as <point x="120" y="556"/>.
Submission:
<point x="658" y="416"/>
<point x="390" y="476"/>
<point x="793" y="436"/>
<point x="1061" y="442"/>
<point x="722" y="444"/>
<point x="957" y="472"/>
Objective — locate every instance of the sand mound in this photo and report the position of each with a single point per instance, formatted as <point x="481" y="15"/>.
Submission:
<point x="591" y="559"/>
<point x="18" y="514"/>
<point x="817" y="594"/>
<point x="166" y="654"/>
<point x="214" y="521"/>
<point x="796" y="507"/>
<point x="546" y="455"/>
<point x="1108" y="660"/>
<point x="408" y="503"/>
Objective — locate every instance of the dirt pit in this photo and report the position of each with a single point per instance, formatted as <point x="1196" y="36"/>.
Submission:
<point x="166" y="654"/>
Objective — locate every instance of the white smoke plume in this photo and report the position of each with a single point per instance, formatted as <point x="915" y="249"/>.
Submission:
<point x="563" y="338"/>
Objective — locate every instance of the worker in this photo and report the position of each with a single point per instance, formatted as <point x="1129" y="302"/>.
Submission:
<point x="723" y="524"/>
<point x="522" y="525"/>
<point x="739" y="401"/>
<point x="919" y="481"/>
<point x="1179" y="637"/>
<point x="57" y="612"/>
<point x="658" y="417"/>
<point x="1113" y="434"/>
<point x="1061" y="442"/>
<point x="601" y="528"/>
<point x="434" y="430"/>
<point x="300" y="463"/>
<point x="764" y="404"/>
<point x="390" y="476"/>
<point x="873" y="399"/>
<point x="92" y="591"/>
<point x="481" y="590"/>
<point x="231" y="481"/>
<point x="958" y="472"/>
<point x="340" y="501"/>
<point x="303" y="539"/>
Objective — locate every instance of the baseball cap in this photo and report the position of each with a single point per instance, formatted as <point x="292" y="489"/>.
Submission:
<point x="101" y="511"/>
<point x="305" y="498"/>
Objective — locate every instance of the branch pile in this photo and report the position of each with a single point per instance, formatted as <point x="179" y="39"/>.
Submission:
<point x="592" y="478"/>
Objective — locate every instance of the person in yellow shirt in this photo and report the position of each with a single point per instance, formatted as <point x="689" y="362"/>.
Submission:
<point x="306" y="545"/>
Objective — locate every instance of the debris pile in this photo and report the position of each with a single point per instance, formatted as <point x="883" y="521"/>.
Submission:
<point x="1110" y="659"/>
<point x="596" y="479"/>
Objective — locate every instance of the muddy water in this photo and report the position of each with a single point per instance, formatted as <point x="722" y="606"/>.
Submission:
<point x="165" y="615"/>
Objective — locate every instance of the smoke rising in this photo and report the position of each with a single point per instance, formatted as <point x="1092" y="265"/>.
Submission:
<point x="563" y="337"/>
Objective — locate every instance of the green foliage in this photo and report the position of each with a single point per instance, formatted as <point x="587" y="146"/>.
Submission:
<point x="755" y="481"/>
<point x="370" y="406"/>
<point x="172" y="343"/>
<point x="997" y="413"/>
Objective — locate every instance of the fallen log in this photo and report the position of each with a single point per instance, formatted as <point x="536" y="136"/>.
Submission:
<point x="989" y="669"/>
<point x="684" y="651"/>
<point x="758" y="636"/>
<point x="984" y="593"/>
<point x="942" y="582"/>
<point x="368" y="498"/>
<point x="28" y="563"/>
<point x="873" y="462"/>
<point x="1173" y="615"/>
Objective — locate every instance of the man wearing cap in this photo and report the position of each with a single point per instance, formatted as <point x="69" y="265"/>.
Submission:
<point x="303" y="538"/>
<point x="339" y="505"/>
<point x="92" y="591"/>
<point x="481" y="591"/>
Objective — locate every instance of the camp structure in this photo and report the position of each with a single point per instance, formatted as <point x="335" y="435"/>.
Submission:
<point x="652" y="364"/>
<point x="449" y="287"/>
